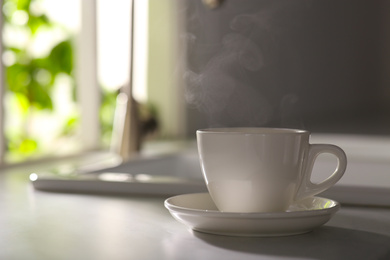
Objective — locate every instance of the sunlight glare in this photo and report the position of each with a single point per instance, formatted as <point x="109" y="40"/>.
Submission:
<point x="113" y="25"/>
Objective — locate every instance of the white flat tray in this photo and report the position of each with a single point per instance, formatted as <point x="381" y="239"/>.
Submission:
<point x="171" y="174"/>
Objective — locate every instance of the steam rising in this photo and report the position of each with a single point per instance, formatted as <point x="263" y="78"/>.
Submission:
<point x="240" y="84"/>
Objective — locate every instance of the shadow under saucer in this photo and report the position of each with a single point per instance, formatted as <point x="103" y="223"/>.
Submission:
<point x="323" y="243"/>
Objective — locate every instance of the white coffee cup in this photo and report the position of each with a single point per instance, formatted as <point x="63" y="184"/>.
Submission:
<point x="262" y="169"/>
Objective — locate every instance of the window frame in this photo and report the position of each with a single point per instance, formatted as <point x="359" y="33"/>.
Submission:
<point x="86" y="75"/>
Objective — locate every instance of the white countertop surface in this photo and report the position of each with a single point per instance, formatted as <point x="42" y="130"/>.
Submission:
<point x="43" y="225"/>
<point x="47" y="225"/>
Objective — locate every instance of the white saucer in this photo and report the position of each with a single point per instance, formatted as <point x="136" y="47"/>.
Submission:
<point x="199" y="212"/>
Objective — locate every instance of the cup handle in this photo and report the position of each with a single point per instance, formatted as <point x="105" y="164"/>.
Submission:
<point x="308" y="188"/>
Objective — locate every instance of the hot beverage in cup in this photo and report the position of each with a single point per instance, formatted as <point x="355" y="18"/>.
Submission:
<point x="262" y="169"/>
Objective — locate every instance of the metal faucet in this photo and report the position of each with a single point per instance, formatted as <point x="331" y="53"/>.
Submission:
<point x="129" y="128"/>
<point x="126" y="138"/>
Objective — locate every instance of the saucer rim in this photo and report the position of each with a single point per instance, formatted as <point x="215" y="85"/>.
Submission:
<point x="263" y="215"/>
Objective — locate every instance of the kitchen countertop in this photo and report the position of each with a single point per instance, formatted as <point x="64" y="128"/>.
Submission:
<point x="45" y="225"/>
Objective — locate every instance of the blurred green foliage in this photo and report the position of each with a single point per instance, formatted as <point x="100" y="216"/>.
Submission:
<point x="106" y="114"/>
<point x="31" y="79"/>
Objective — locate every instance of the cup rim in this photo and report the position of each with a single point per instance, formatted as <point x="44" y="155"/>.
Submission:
<point x="251" y="130"/>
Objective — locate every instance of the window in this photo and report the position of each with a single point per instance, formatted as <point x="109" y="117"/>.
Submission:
<point x="80" y="101"/>
<point x="53" y="101"/>
<point x="39" y="111"/>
